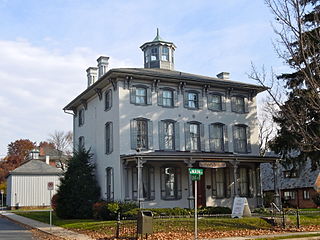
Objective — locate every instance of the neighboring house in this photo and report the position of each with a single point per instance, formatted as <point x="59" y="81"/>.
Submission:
<point x="147" y="126"/>
<point x="297" y="186"/>
<point x="27" y="185"/>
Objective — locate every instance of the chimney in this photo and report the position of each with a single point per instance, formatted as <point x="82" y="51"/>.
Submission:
<point x="224" y="75"/>
<point x="92" y="75"/>
<point x="48" y="160"/>
<point x="103" y="63"/>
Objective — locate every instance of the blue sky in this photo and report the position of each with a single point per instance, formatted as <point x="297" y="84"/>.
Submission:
<point x="46" y="46"/>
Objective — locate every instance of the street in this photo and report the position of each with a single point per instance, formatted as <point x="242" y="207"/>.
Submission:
<point x="12" y="231"/>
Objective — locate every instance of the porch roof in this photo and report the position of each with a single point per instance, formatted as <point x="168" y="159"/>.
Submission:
<point x="198" y="156"/>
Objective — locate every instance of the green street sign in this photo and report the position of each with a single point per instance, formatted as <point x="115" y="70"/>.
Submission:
<point x="195" y="177"/>
<point x="195" y="171"/>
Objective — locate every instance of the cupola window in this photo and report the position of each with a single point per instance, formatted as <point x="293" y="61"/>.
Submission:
<point x="165" y="54"/>
<point x="154" y="54"/>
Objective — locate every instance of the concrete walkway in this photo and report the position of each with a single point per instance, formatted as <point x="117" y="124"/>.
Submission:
<point x="56" y="231"/>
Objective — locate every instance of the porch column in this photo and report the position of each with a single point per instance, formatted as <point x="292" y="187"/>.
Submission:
<point x="259" y="186"/>
<point x="275" y="184"/>
<point x="189" y="164"/>
<point x="235" y="165"/>
<point x="140" y="163"/>
<point x="126" y="181"/>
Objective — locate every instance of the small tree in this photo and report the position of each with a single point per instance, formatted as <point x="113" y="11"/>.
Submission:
<point x="78" y="190"/>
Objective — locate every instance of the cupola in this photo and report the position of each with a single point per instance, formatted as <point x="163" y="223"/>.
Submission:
<point x="159" y="53"/>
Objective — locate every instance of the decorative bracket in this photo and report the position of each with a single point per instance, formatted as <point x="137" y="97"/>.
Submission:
<point x="99" y="92"/>
<point x="84" y="103"/>
<point x="189" y="162"/>
<point x="74" y="110"/>
<point x="181" y="87"/>
<point x="205" y="90"/>
<point x="155" y="85"/>
<point x="127" y="82"/>
<point x="114" y="83"/>
<point x="252" y="94"/>
<point x="228" y="92"/>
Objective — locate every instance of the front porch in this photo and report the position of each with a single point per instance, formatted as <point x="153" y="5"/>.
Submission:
<point x="161" y="179"/>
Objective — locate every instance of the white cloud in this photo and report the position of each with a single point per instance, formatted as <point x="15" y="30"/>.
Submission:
<point x="36" y="83"/>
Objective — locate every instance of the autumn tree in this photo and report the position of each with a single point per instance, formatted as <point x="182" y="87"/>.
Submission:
<point x="298" y="116"/>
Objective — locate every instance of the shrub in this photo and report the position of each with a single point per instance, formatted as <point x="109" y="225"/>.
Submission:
<point x="160" y="212"/>
<point x="127" y="206"/>
<point x="215" y="210"/>
<point x="99" y="210"/>
<point x="54" y="200"/>
<point x="316" y="199"/>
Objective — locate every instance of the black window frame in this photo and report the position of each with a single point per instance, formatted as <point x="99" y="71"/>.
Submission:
<point x="108" y="100"/>
<point x="108" y="138"/>
<point x="81" y="118"/>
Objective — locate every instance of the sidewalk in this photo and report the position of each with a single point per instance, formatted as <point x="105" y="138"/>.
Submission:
<point x="56" y="231"/>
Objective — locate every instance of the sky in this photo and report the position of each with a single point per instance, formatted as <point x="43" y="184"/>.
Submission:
<point x="46" y="47"/>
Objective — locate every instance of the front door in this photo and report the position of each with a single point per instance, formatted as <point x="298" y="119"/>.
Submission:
<point x="201" y="196"/>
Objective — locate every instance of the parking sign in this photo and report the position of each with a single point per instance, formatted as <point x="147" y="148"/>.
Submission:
<point x="50" y="185"/>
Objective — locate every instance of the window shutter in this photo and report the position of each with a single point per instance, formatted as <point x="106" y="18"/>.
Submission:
<point x="111" y="137"/>
<point x="233" y="104"/>
<point x="134" y="183"/>
<point x="150" y="135"/>
<point x="185" y="99"/>
<point x="211" y="146"/>
<point x="179" y="187"/>
<point x="133" y="95"/>
<point x="200" y="101"/>
<point x="248" y="140"/>
<point x="225" y="138"/>
<point x="175" y="99"/>
<point x="149" y="96"/>
<point x="110" y="98"/>
<point x="187" y="136"/>
<point x="209" y="99"/>
<point x="223" y="103"/>
<point x="246" y="107"/>
<point x="133" y="134"/>
<point x="176" y="136"/>
<point x="160" y="97"/>
<point x="235" y="149"/>
<point x="161" y="135"/>
<point x="202" y="139"/>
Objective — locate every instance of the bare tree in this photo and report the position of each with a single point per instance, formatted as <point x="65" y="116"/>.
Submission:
<point x="62" y="142"/>
<point x="297" y="29"/>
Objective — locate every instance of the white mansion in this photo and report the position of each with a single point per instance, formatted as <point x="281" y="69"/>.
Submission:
<point x="147" y="126"/>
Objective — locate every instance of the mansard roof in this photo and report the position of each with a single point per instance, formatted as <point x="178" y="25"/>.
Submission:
<point x="164" y="76"/>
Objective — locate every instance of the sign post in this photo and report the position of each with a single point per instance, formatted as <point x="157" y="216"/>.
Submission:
<point x="195" y="176"/>
<point x="2" y="193"/>
<point x="50" y="188"/>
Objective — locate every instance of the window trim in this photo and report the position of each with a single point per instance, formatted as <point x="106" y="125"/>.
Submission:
<point x="134" y="133"/>
<point x="175" y="138"/>
<point x="109" y="195"/>
<point x="248" y="138"/>
<point x="81" y="118"/>
<point x="109" y="150"/>
<point x="224" y="139"/>
<point x="226" y="183"/>
<point x="133" y="95"/>
<point x="187" y="100"/>
<point x="245" y="108"/>
<point x="222" y="102"/>
<point x="108" y="96"/>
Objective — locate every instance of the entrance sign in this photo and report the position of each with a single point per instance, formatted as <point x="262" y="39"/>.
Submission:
<point x="240" y="208"/>
<point x="195" y="171"/>
<point x="50" y="185"/>
<point x="212" y="164"/>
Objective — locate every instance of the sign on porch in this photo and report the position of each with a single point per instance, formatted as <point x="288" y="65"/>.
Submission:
<point x="212" y="164"/>
<point x="195" y="171"/>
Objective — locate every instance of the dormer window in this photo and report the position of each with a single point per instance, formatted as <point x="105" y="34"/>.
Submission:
<point x="165" y="54"/>
<point x="154" y="54"/>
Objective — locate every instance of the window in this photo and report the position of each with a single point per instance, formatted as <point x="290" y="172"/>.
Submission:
<point x="194" y="133"/>
<point x="154" y="54"/>
<point x="109" y="132"/>
<point x="108" y="100"/>
<point x="241" y="139"/>
<point x="218" y="137"/>
<point x="165" y="54"/>
<point x="221" y="183"/>
<point x="109" y="184"/>
<point x="193" y="100"/>
<point x="147" y="55"/>
<point x="81" y="142"/>
<point x="289" y="195"/>
<point x="171" y="183"/>
<point x="216" y="102"/>
<point x="81" y="117"/>
<point x="167" y="97"/>
<point x="246" y="182"/>
<point x="169" y="135"/>
<point x="141" y="134"/>
<point x="140" y="95"/>
<point x="239" y="104"/>
<point x="306" y="194"/>
<point x="147" y="183"/>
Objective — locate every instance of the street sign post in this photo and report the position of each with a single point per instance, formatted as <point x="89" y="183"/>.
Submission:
<point x="50" y="188"/>
<point x="195" y="176"/>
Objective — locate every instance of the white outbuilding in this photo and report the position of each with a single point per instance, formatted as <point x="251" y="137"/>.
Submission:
<point x="29" y="184"/>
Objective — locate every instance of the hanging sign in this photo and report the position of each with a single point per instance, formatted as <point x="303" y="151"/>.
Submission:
<point x="212" y="164"/>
